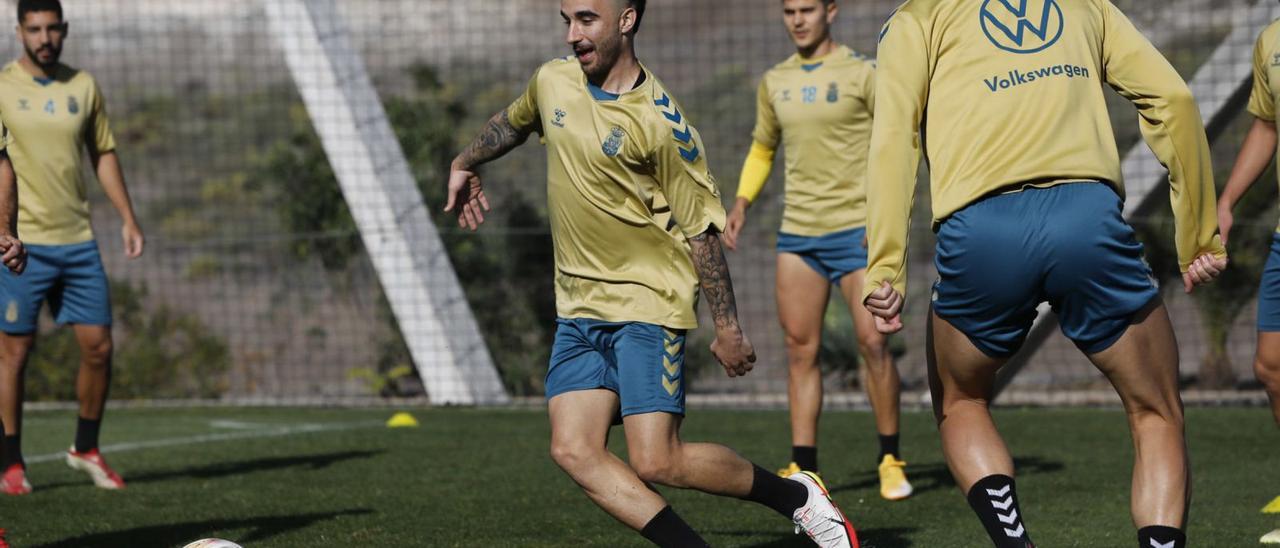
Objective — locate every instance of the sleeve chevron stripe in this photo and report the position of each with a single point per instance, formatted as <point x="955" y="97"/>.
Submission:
<point x="681" y="130"/>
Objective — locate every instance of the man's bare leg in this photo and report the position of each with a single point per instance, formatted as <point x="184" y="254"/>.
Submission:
<point x="14" y="350"/>
<point x="94" y="379"/>
<point x="1267" y="366"/>
<point x="880" y="375"/>
<point x="1143" y="367"/>
<point x="961" y="378"/>
<point x="580" y="424"/>
<point x="802" y="297"/>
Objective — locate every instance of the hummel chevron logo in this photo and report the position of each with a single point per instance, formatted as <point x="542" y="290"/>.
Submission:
<point x="671" y="385"/>
<point x="690" y="155"/>
<point x="673" y="369"/>
<point x="1009" y="519"/>
<point x="1155" y="544"/>
<point x="1007" y="24"/>
<point x="674" y="116"/>
<point x="672" y="347"/>
<point x="682" y="132"/>
<point x="1003" y="505"/>
<point x="683" y="136"/>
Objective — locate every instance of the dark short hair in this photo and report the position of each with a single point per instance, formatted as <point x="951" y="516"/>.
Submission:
<point x="28" y="6"/>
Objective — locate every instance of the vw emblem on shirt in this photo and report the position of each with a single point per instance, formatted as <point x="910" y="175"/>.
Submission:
<point x="1022" y="26"/>
<point x="613" y="144"/>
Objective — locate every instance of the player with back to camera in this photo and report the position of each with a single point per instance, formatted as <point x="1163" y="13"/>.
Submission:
<point x="55" y="114"/>
<point x="818" y="105"/>
<point x="1027" y="206"/>
<point x="635" y="218"/>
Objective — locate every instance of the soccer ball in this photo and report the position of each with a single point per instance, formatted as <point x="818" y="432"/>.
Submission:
<point x="213" y="543"/>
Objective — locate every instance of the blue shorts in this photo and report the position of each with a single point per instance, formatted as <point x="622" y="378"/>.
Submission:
<point x="643" y="363"/>
<point x="999" y="258"/>
<point x="70" y="277"/>
<point x="834" y="255"/>
<point x="1269" y="290"/>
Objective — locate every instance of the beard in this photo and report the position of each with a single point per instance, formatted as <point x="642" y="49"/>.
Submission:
<point x="606" y="54"/>
<point x="50" y="53"/>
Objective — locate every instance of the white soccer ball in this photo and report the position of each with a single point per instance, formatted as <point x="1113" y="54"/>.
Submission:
<point x="213" y="543"/>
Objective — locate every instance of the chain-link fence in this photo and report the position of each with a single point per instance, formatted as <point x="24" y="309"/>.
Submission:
<point x="258" y="281"/>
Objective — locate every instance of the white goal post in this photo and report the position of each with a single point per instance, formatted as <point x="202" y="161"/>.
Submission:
<point x="407" y="253"/>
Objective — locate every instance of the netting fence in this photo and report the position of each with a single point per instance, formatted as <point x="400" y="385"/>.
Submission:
<point x="248" y="151"/>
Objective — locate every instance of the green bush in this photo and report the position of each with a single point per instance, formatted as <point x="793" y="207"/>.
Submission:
<point x="159" y="353"/>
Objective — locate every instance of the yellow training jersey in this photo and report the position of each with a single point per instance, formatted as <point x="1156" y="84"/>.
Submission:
<point x="1003" y="94"/>
<point x="52" y="121"/>
<point x="820" y="110"/>
<point x="1266" y="75"/>
<point x="627" y="184"/>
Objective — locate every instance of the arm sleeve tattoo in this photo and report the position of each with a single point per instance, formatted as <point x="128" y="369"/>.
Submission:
<point x="498" y="138"/>
<point x="713" y="275"/>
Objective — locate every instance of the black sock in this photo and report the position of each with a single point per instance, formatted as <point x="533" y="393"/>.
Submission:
<point x="783" y="495"/>
<point x="667" y="529"/>
<point x="888" y="446"/>
<point x="11" y="452"/>
<point x="805" y="457"/>
<point x="995" y="500"/>
<point x="1159" y="536"/>
<point x="87" y="434"/>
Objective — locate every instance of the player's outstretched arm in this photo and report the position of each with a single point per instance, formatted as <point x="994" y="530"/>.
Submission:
<point x="755" y="172"/>
<point x="902" y="87"/>
<point x="731" y="346"/>
<point x="498" y="138"/>
<point x="1260" y="144"/>
<point x="1171" y="124"/>
<point x="111" y="175"/>
<point x="12" y="253"/>
<point x="1255" y="155"/>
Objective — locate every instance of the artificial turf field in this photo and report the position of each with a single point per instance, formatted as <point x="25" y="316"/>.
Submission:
<point x="314" y="478"/>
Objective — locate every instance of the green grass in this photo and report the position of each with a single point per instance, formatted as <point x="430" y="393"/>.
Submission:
<point x="483" y="478"/>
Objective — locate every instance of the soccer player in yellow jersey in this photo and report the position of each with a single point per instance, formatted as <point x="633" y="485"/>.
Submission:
<point x="1256" y="154"/>
<point x="636" y="220"/>
<point x="1005" y="97"/>
<point x="818" y="104"/>
<point x="55" y="113"/>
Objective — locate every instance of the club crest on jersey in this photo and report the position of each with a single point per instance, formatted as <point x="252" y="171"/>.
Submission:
<point x="1022" y="26"/>
<point x="613" y="144"/>
<point x="72" y="105"/>
<point x="559" y="121"/>
<point x="1275" y="60"/>
<point x="24" y="104"/>
<point x="833" y="93"/>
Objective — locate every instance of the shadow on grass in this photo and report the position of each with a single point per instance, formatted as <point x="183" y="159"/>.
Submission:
<point x="937" y="476"/>
<point x="179" y="534"/>
<point x="895" y="537"/>
<point x="236" y="468"/>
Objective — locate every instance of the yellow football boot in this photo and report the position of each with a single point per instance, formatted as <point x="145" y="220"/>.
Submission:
<point x="893" y="481"/>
